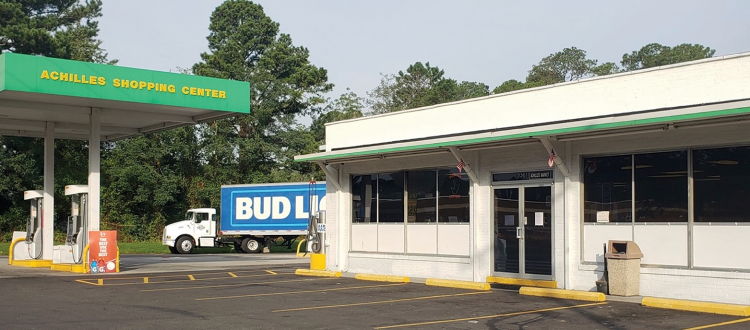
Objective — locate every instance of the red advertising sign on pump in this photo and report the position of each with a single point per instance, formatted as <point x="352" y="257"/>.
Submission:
<point x="103" y="252"/>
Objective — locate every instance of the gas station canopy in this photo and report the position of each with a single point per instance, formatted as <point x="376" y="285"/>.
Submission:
<point x="36" y="90"/>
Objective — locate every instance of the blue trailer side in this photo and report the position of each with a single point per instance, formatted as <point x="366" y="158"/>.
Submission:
<point x="269" y="209"/>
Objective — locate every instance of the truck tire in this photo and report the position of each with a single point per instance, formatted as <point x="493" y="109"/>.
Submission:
<point x="238" y="248"/>
<point x="185" y="245"/>
<point x="251" y="245"/>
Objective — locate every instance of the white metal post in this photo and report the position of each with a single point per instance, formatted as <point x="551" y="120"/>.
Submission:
<point x="48" y="205"/>
<point x="94" y="170"/>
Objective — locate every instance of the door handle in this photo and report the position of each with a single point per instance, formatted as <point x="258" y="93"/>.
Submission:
<point x="518" y="232"/>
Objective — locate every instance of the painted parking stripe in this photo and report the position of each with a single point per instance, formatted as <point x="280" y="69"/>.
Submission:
<point x="489" y="316"/>
<point x="719" y="324"/>
<point x="174" y="278"/>
<point x="230" y="285"/>
<point x="379" y="302"/>
<point x="296" y="292"/>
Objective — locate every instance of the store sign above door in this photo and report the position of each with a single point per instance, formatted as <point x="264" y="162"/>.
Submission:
<point x="522" y="176"/>
<point x="35" y="74"/>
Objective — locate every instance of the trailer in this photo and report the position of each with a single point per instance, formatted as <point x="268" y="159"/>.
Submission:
<point x="251" y="217"/>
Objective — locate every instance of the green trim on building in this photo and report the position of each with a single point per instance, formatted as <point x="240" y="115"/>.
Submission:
<point x="35" y="74"/>
<point x="542" y="133"/>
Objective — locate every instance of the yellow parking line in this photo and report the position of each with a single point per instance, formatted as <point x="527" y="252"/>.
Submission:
<point x="719" y="324"/>
<point x="232" y="274"/>
<point x="295" y="292"/>
<point x="225" y="285"/>
<point x="271" y="272"/>
<point x="86" y="282"/>
<point x="489" y="316"/>
<point x="100" y="281"/>
<point x="191" y="277"/>
<point x="380" y="302"/>
<point x="145" y="280"/>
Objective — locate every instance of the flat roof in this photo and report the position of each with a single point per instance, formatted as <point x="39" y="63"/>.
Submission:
<point x="35" y="90"/>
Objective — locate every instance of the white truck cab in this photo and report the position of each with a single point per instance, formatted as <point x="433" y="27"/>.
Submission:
<point x="197" y="230"/>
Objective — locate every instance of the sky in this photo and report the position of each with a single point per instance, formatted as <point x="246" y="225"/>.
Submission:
<point x="488" y="41"/>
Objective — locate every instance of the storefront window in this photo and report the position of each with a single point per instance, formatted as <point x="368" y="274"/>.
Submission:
<point x="422" y="196"/>
<point x="661" y="187"/>
<point x="453" y="201"/>
<point x="391" y="197"/>
<point x="722" y="184"/>
<point x="607" y="189"/>
<point x="363" y="199"/>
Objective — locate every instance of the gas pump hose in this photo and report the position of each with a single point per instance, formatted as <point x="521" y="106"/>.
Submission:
<point x="10" y="251"/>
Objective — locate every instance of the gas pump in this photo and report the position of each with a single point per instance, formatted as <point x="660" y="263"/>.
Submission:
<point x="29" y="245"/>
<point x="315" y="237"/>
<point x="76" y="236"/>
<point x="34" y="226"/>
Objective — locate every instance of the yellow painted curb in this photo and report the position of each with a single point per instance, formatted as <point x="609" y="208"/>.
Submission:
<point x="32" y="263"/>
<point x="563" y="294"/>
<point x="382" y="278"/>
<point x="314" y="272"/>
<point x="522" y="282"/>
<point x="458" y="284"/>
<point x="697" y="306"/>
<point x="73" y="268"/>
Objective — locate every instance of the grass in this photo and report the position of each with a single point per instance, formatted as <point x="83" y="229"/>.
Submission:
<point x="157" y="248"/>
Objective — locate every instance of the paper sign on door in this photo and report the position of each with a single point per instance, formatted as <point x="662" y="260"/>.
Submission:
<point x="539" y="218"/>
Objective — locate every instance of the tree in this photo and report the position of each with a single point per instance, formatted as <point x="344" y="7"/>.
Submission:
<point x="245" y="44"/>
<point x="420" y="85"/>
<point x="347" y="106"/>
<point x="654" y="54"/>
<point x="605" y="69"/>
<point x="566" y="65"/>
<point x="54" y="28"/>
<point x="514" y="85"/>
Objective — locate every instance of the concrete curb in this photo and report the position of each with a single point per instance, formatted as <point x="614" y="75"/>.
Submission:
<point x="314" y="272"/>
<point x="522" y="282"/>
<point x="458" y="284"/>
<point x="563" y="294"/>
<point x="382" y="278"/>
<point x="696" y="306"/>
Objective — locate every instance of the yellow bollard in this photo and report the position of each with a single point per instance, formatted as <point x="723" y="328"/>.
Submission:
<point x="318" y="261"/>
<point x="10" y="252"/>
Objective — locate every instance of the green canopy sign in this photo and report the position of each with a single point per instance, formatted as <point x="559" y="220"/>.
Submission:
<point x="35" y="74"/>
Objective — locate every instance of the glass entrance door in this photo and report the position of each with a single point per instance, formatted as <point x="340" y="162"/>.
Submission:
<point x="523" y="231"/>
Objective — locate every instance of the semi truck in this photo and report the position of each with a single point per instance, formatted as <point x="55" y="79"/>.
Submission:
<point x="251" y="217"/>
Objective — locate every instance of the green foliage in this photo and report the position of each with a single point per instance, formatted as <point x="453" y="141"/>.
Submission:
<point x="421" y="85"/>
<point x="246" y="45"/>
<point x="605" y="69"/>
<point x="55" y="28"/>
<point x="653" y="55"/>
<point x="566" y="65"/>
<point x="347" y="106"/>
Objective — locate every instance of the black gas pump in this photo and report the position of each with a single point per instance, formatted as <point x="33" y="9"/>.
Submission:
<point x="34" y="235"/>
<point x="314" y="238"/>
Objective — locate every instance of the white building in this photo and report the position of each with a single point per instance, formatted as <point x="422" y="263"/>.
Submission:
<point x="658" y="156"/>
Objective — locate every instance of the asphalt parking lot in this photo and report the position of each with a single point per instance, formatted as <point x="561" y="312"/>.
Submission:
<point x="272" y="296"/>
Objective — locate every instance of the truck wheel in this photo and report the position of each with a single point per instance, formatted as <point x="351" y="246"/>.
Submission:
<point x="173" y="250"/>
<point x="238" y="248"/>
<point x="251" y="245"/>
<point x="185" y="245"/>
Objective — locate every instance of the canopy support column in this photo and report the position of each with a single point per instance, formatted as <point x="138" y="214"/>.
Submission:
<point x="48" y="204"/>
<point x="94" y="169"/>
<point x="331" y="174"/>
